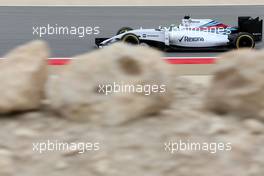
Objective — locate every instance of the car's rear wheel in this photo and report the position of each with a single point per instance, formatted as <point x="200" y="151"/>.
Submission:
<point x="244" y="40"/>
<point x="131" y="39"/>
<point x="123" y="30"/>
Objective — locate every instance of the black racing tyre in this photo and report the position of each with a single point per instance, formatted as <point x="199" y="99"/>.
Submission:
<point x="123" y="30"/>
<point x="131" y="39"/>
<point x="244" y="40"/>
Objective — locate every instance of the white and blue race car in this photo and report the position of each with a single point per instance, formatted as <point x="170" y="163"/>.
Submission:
<point x="192" y="34"/>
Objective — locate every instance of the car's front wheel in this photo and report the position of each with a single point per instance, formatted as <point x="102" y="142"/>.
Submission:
<point x="131" y="39"/>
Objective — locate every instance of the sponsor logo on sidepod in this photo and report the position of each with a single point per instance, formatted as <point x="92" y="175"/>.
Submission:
<point x="191" y="39"/>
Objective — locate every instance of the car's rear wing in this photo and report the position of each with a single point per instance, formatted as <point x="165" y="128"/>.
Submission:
<point x="252" y="26"/>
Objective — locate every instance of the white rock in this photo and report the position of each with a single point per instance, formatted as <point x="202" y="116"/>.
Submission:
<point x="238" y="84"/>
<point x="76" y="92"/>
<point x="256" y="127"/>
<point x="25" y="133"/>
<point x="6" y="163"/>
<point x="23" y="75"/>
<point x="61" y="165"/>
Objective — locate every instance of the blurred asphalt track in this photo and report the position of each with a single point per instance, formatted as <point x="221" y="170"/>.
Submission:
<point x="17" y="23"/>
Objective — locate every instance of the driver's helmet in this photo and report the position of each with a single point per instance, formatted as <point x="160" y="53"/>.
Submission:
<point x="186" y="21"/>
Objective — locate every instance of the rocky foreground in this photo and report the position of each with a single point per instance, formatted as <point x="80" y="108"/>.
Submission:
<point x="132" y="130"/>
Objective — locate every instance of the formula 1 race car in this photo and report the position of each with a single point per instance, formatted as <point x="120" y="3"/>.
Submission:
<point x="192" y="34"/>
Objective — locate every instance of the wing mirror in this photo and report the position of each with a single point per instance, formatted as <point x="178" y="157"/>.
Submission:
<point x="161" y="28"/>
<point x="171" y="27"/>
